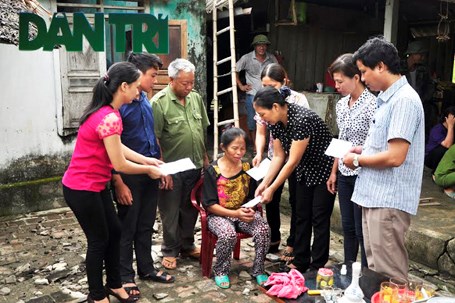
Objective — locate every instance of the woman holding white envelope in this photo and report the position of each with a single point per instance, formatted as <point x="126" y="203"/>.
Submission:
<point x="301" y="137"/>
<point x="226" y="188"/>
<point x="275" y="76"/>
<point x="354" y="113"/>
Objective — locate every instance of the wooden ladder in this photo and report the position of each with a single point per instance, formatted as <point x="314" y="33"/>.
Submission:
<point x="230" y="28"/>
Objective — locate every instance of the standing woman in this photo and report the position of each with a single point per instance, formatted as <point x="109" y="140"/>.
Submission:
<point x="98" y="150"/>
<point x="301" y="137"/>
<point x="274" y="75"/>
<point x="354" y="113"/>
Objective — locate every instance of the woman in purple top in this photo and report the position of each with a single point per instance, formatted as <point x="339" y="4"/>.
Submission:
<point x="441" y="138"/>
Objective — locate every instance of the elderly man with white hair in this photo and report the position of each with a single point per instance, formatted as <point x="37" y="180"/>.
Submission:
<point x="180" y="123"/>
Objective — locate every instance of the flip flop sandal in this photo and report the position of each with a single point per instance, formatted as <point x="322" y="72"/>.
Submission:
<point x="169" y="262"/>
<point x="261" y="279"/>
<point x="158" y="276"/>
<point x="222" y="282"/>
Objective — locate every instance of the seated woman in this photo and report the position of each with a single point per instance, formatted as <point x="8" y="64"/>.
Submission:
<point x="226" y="187"/>
<point x="441" y="138"/>
<point x="444" y="175"/>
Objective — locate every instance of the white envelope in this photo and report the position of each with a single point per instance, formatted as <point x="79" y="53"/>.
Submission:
<point x="253" y="202"/>
<point x="257" y="173"/>
<point x="338" y="148"/>
<point x="171" y="168"/>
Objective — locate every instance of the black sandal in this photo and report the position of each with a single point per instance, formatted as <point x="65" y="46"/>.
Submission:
<point x="130" y="289"/>
<point x="130" y="299"/>
<point x="287" y="256"/>
<point x="158" y="276"/>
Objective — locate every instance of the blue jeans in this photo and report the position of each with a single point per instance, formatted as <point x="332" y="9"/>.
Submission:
<point x="351" y="220"/>
<point x="250" y="112"/>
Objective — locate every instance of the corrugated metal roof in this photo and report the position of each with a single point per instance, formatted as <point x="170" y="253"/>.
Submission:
<point x="9" y="20"/>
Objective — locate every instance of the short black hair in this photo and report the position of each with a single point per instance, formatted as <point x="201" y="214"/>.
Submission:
<point x="377" y="50"/>
<point x="145" y="61"/>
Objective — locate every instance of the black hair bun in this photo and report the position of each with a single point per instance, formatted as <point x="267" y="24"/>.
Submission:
<point x="285" y="91"/>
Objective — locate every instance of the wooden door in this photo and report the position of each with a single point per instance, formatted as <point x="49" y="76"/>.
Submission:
<point x="79" y="72"/>
<point x="178" y="38"/>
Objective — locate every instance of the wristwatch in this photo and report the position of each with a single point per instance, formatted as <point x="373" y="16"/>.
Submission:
<point x="355" y="161"/>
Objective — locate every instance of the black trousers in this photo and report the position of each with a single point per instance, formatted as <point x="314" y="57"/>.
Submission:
<point x="96" y="214"/>
<point x="313" y="210"/>
<point x="273" y="212"/>
<point x="137" y="226"/>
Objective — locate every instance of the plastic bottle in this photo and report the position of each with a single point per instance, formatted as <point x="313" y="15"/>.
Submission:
<point x="343" y="270"/>
<point x="354" y="294"/>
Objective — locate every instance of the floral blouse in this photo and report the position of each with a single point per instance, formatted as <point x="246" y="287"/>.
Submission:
<point x="230" y="192"/>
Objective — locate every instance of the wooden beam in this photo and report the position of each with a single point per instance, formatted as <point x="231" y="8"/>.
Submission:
<point x="391" y="20"/>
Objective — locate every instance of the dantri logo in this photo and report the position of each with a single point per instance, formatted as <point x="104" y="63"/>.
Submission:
<point x="147" y="31"/>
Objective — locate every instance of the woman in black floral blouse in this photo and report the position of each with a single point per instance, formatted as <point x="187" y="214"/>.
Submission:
<point x="301" y="137"/>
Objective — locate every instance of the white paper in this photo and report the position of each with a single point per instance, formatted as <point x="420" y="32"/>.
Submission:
<point x="171" y="168"/>
<point x="338" y="148"/>
<point x="253" y="202"/>
<point x="257" y="173"/>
